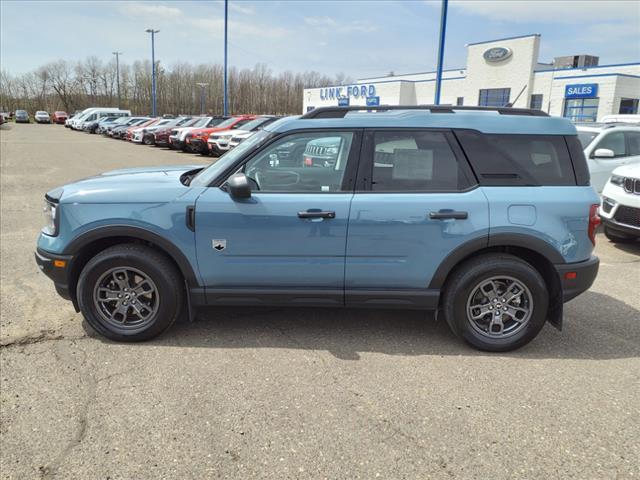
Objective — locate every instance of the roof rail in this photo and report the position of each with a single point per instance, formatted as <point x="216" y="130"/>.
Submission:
<point x="340" y="112"/>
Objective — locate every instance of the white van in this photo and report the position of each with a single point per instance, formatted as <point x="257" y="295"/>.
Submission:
<point x="92" y="114"/>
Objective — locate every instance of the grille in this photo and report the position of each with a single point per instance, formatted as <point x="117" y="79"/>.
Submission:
<point x="315" y="150"/>
<point x="632" y="185"/>
<point x="628" y="216"/>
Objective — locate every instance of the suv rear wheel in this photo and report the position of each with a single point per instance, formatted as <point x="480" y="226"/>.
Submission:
<point x="130" y="293"/>
<point x="496" y="302"/>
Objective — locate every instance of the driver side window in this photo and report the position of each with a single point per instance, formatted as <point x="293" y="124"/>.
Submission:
<point x="312" y="162"/>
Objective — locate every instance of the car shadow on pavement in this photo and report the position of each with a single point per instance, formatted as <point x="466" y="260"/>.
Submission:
<point x="596" y="327"/>
<point x="633" y="248"/>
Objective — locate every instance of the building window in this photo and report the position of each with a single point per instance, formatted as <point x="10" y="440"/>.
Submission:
<point x="581" y="109"/>
<point x="536" y="101"/>
<point x="460" y="101"/>
<point x="494" y="97"/>
<point x="628" y="106"/>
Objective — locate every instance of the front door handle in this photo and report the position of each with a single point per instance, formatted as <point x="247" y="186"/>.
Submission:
<point x="447" y="214"/>
<point x="316" y="214"/>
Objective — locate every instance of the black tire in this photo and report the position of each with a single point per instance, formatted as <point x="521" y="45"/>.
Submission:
<point x="618" y="237"/>
<point x="464" y="281"/>
<point x="147" y="140"/>
<point x="156" y="266"/>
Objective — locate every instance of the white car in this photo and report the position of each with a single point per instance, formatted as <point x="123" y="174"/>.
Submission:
<point x="607" y="147"/>
<point x="621" y="118"/>
<point x="219" y="143"/>
<point x="236" y="139"/>
<point x="42" y="117"/>
<point x="620" y="207"/>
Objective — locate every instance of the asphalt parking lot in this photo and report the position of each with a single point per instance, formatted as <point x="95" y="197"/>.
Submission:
<point x="300" y="393"/>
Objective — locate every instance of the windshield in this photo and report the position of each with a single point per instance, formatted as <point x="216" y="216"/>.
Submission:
<point x="254" y="123"/>
<point x="200" y="122"/>
<point x="206" y="176"/>
<point x="227" y="123"/>
<point x="586" y="138"/>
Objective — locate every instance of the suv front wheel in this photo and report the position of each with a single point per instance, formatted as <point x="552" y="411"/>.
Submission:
<point x="130" y="293"/>
<point x="496" y="302"/>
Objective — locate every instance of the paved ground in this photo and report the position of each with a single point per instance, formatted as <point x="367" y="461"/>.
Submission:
<point x="305" y="393"/>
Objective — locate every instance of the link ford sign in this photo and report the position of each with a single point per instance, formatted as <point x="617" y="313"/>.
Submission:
<point x="355" y="91"/>
<point x="583" y="90"/>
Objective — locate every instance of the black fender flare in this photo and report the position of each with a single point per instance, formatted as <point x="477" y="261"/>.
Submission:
<point x="497" y="240"/>
<point x="140" y="233"/>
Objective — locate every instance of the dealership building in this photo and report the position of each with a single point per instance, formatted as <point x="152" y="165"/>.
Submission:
<point x="501" y="72"/>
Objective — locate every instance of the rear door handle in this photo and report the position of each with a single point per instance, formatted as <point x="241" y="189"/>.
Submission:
<point x="447" y="214"/>
<point x="316" y="214"/>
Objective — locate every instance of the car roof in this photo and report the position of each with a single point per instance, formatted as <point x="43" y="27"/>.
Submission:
<point x="601" y="127"/>
<point x="486" y="121"/>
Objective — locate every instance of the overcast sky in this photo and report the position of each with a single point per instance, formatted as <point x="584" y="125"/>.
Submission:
<point x="359" y="38"/>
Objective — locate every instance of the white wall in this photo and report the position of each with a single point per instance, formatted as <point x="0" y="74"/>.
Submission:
<point x="519" y="70"/>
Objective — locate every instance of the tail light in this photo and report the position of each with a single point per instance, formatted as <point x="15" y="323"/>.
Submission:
<point x="308" y="162"/>
<point x="594" y="222"/>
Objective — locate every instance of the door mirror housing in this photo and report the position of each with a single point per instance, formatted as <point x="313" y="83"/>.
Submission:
<point x="603" y="153"/>
<point x="238" y="186"/>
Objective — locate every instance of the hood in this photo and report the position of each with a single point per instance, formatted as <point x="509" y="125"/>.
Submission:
<point x="235" y="131"/>
<point x="632" y="170"/>
<point x="130" y="185"/>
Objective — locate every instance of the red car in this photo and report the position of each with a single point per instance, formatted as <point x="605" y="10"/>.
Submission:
<point x="59" y="117"/>
<point x="197" y="139"/>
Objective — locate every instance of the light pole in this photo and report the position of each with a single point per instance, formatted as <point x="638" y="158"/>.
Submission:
<point x="226" y="100"/>
<point x="202" y="85"/>
<point x="443" y="28"/>
<point x="153" y="67"/>
<point x="117" y="54"/>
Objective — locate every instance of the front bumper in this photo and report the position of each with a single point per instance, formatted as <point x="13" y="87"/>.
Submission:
<point x="57" y="268"/>
<point x="620" y="227"/>
<point x="216" y="150"/>
<point x="576" y="278"/>
<point x="198" y="145"/>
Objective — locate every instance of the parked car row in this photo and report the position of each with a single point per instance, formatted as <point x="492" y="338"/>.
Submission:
<point x="205" y="135"/>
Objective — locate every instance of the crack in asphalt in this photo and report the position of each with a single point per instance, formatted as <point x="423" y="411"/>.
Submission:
<point x="41" y="337"/>
<point x="50" y="470"/>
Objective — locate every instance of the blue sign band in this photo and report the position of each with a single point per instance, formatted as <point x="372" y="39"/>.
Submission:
<point x="582" y="90"/>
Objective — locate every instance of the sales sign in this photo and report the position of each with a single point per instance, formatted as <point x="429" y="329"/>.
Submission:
<point x="373" y="101"/>
<point x="583" y="90"/>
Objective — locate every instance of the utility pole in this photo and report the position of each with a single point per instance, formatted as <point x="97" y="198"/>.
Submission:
<point x="443" y="28"/>
<point x="117" y="54"/>
<point x="202" y="85"/>
<point x="226" y="99"/>
<point x="153" y="68"/>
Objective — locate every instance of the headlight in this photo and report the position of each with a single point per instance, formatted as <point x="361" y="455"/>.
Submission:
<point x="49" y="211"/>
<point x="332" y="150"/>
<point x="617" y="180"/>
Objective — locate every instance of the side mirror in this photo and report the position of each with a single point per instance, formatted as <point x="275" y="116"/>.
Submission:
<point x="603" y="153"/>
<point x="238" y="186"/>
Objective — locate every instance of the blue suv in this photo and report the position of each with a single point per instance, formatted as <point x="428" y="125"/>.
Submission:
<point x="484" y="215"/>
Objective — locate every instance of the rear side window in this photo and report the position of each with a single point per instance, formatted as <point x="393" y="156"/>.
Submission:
<point x="415" y="161"/>
<point x="500" y="159"/>
<point x="578" y="159"/>
<point x="634" y="142"/>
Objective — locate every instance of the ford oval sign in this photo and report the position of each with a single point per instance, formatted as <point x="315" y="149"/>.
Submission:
<point x="496" y="54"/>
